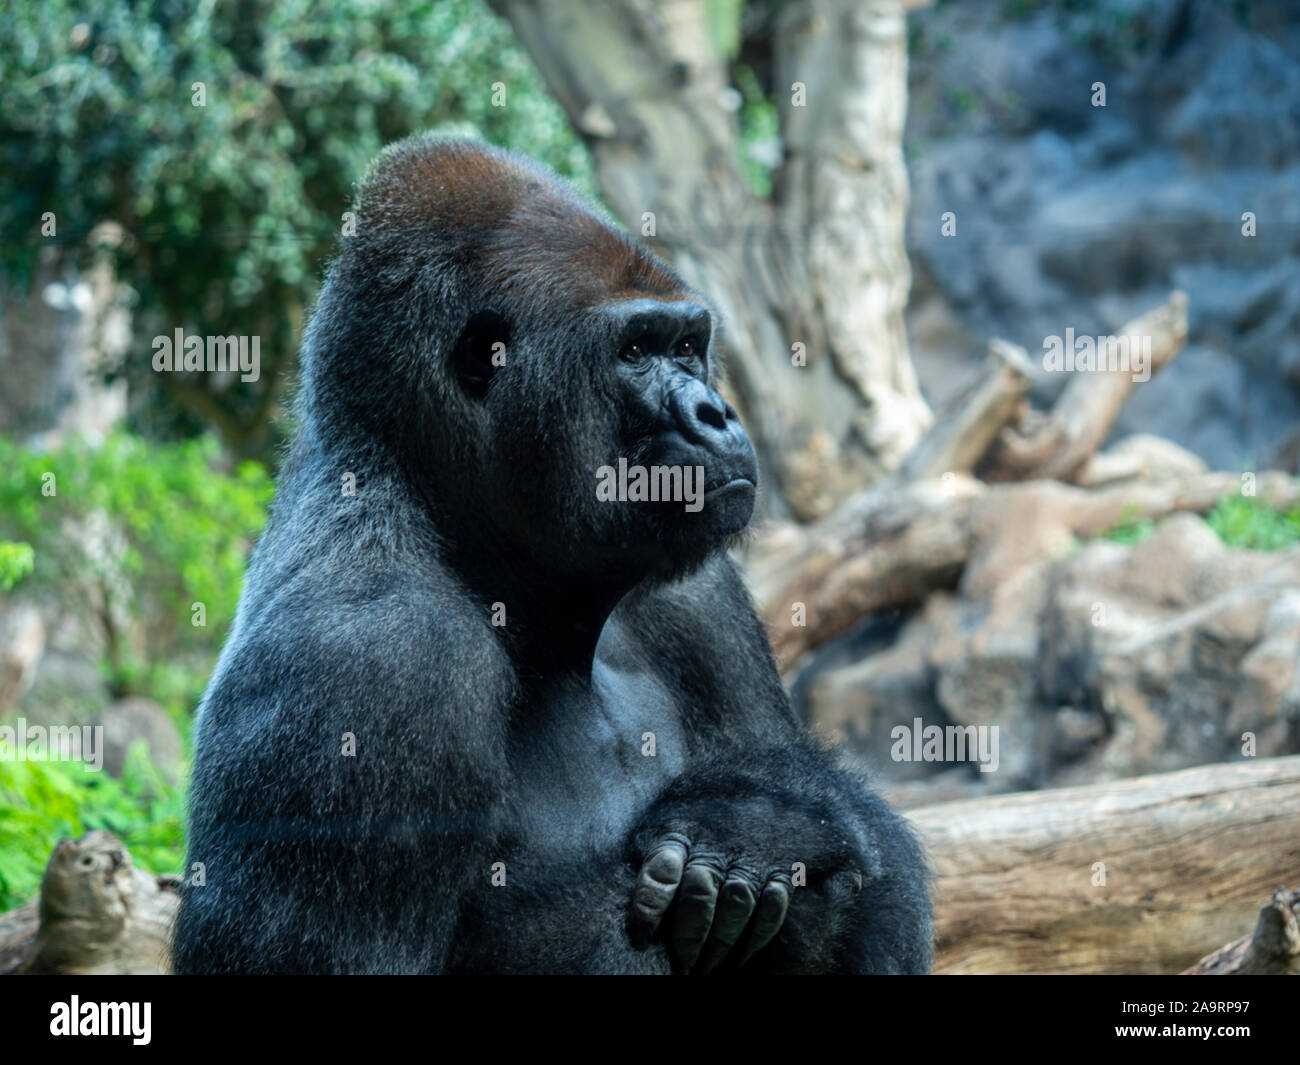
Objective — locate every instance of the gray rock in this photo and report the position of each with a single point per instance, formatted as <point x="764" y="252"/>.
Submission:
<point x="22" y="642"/>
<point x="1075" y="216"/>
<point x="68" y="689"/>
<point x="136" y="718"/>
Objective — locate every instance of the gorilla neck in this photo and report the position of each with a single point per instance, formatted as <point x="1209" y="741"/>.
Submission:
<point x="552" y="627"/>
<point x="553" y="619"/>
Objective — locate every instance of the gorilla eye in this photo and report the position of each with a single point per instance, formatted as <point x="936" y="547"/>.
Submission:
<point x="686" y="349"/>
<point x="638" y="349"/>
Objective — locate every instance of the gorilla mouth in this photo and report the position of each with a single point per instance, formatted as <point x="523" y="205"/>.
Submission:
<point x="737" y="483"/>
<point x="730" y="504"/>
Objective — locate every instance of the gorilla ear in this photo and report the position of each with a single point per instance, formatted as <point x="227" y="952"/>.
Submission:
<point x="480" y="351"/>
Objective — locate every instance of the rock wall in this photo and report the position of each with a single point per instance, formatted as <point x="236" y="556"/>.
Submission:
<point x="1070" y="215"/>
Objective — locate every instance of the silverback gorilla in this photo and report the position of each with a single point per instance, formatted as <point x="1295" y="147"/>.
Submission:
<point x="475" y="715"/>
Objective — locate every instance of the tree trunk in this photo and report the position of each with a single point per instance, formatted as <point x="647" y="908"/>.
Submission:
<point x="56" y="347"/>
<point x="811" y="282"/>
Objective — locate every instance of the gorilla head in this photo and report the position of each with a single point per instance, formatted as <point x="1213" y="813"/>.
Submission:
<point x="522" y="347"/>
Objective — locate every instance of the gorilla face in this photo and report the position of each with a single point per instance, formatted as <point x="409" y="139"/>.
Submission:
<point x="637" y="466"/>
<point x="674" y="420"/>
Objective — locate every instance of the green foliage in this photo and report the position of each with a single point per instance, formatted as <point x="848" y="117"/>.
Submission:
<point x="1240" y="521"/>
<point x="962" y="100"/>
<point x="231" y="207"/>
<point x="1244" y="521"/>
<point x="760" y="131"/>
<point x="1131" y="529"/>
<point x="43" y="802"/>
<point x="140" y="531"/>
<point x="16" y="562"/>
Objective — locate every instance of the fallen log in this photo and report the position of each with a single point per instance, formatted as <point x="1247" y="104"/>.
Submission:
<point x="963" y="433"/>
<point x="893" y="545"/>
<point x="815" y="582"/>
<point x="883" y="548"/>
<point x="1058" y="445"/>
<point x="1139" y="876"/>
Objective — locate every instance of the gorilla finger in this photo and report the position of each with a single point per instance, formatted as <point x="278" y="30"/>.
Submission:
<point x="661" y="872"/>
<point x="696" y="903"/>
<point x="769" y="916"/>
<point x="735" y="905"/>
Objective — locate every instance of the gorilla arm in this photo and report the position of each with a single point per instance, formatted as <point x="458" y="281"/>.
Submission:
<point x="773" y="858"/>
<point x="758" y="797"/>
<point x="346" y="774"/>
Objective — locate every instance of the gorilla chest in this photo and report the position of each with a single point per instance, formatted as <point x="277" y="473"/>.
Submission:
<point x="589" y="758"/>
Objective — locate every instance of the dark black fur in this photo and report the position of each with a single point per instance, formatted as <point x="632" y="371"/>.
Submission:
<point x="371" y="614"/>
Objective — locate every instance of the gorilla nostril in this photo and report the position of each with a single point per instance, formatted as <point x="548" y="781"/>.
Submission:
<point x="709" y="415"/>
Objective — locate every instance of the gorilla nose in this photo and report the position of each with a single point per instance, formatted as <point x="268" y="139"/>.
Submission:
<point x="700" y="413"/>
<point x="713" y="415"/>
<point x="708" y="421"/>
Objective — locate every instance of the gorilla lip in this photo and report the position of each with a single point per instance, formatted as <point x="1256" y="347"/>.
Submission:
<point x="734" y="482"/>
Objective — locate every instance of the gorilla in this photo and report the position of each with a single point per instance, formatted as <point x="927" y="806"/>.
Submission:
<point x="484" y="707"/>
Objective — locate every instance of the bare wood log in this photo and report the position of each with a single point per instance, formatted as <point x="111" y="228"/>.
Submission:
<point x="1139" y="456"/>
<point x="894" y="544"/>
<point x="883" y="548"/>
<point x="97" y="914"/>
<point x="1059" y="445"/>
<point x="1273" y="949"/>
<point x="822" y="264"/>
<point x="1092" y="513"/>
<point x="1186" y="857"/>
<point x="961" y="435"/>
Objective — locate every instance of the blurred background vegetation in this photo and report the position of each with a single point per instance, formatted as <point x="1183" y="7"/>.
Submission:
<point x="233" y="207"/>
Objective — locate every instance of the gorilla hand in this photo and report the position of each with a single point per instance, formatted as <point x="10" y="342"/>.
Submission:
<point x="717" y="876"/>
